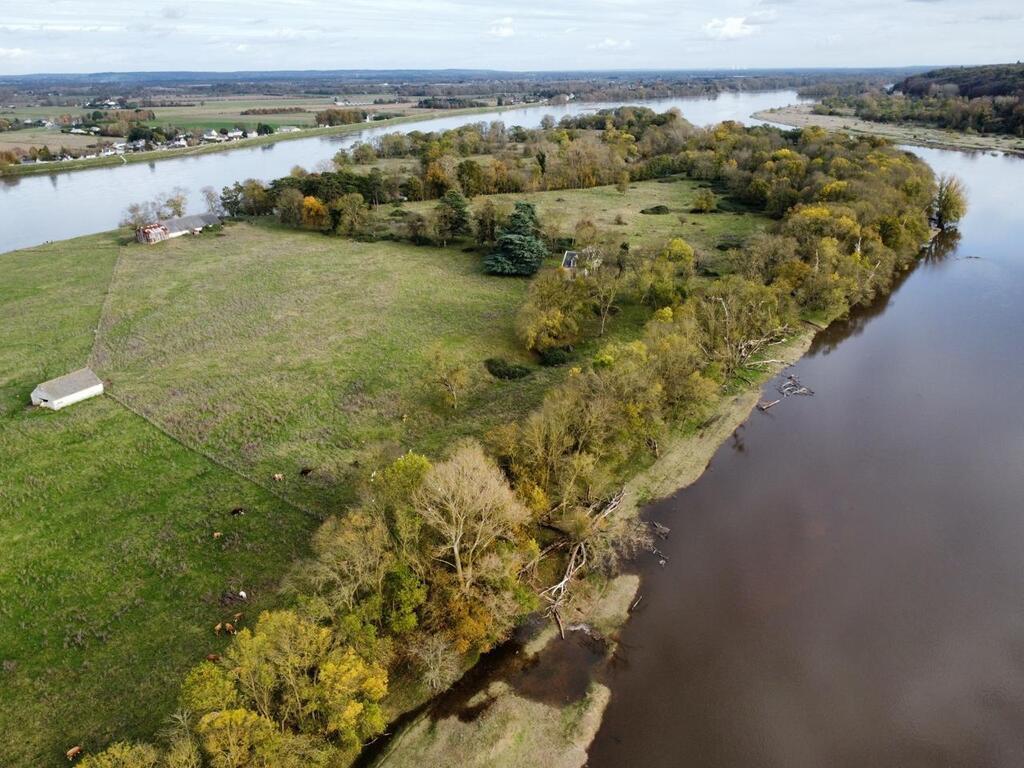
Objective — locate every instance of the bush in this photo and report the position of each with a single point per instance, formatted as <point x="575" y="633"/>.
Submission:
<point x="553" y="357"/>
<point x="657" y="210"/>
<point x="500" y="368"/>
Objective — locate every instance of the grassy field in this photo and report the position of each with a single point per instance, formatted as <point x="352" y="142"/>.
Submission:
<point x="605" y="205"/>
<point x="229" y="358"/>
<point x="110" y="579"/>
<point x="282" y="351"/>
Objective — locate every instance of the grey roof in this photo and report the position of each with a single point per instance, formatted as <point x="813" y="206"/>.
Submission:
<point x="188" y="223"/>
<point x="70" y="383"/>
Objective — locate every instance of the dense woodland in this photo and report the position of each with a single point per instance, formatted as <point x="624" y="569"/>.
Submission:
<point x="986" y="99"/>
<point x="442" y="556"/>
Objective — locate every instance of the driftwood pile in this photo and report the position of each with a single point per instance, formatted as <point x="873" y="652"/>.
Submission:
<point x="792" y="386"/>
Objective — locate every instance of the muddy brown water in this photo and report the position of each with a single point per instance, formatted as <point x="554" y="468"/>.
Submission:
<point x="845" y="584"/>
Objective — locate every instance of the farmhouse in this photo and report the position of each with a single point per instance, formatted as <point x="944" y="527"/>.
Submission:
<point x="65" y="390"/>
<point x="169" y="228"/>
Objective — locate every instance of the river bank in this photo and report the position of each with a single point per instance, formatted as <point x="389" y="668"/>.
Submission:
<point x="32" y="169"/>
<point x="550" y="699"/>
<point x="801" y="116"/>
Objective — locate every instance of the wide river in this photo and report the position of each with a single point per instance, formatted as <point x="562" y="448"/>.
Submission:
<point x="37" y="209"/>
<point x="845" y="585"/>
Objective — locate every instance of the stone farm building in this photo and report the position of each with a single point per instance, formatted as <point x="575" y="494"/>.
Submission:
<point x="165" y="229"/>
<point x="65" y="390"/>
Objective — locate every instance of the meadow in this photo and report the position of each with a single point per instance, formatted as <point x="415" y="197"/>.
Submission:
<point x="255" y="368"/>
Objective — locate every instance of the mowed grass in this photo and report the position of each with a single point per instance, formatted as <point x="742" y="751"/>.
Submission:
<point x="110" y="577"/>
<point x="292" y="353"/>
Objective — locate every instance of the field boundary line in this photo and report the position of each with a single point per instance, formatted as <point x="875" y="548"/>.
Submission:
<point x="216" y="460"/>
<point x="104" y="308"/>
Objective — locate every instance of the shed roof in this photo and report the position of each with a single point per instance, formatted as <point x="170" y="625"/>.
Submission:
<point x="188" y="223"/>
<point x="69" y="383"/>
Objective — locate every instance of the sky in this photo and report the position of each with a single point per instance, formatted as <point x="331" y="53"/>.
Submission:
<point x="138" y="35"/>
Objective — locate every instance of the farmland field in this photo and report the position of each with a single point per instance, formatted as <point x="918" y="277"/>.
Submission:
<point x="110" y="580"/>
<point x="230" y="358"/>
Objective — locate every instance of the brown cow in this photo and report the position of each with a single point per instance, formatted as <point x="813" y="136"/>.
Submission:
<point x="72" y="753"/>
<point x="217" y="534"/>
<point x="213" y="657"/>
<point x="218" y="628"/>
<point x="229" y="628"/>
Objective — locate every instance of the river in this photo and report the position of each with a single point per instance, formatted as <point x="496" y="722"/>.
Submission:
<point x="57" y="206"/>
<point x="845" y="584"/>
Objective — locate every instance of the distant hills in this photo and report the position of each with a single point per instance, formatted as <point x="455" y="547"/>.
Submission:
<point x="971" y="82"/>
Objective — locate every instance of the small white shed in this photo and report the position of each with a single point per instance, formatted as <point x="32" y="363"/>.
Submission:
<point x="65" y="390"/>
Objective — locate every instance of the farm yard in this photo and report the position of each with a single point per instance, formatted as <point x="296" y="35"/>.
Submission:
<point x="229" y="358"/>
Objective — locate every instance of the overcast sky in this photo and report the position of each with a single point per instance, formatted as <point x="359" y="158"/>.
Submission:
<point x="116" y="35"/>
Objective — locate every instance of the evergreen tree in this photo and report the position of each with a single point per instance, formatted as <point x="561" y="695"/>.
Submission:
<point x="519" y="250"/>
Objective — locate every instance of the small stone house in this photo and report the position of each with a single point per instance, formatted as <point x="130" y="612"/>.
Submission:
<point x="71" y="388"/>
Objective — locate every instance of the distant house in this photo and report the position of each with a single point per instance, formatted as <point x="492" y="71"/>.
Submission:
<point x="235" y="134"/>
<point x="65" y="390"/>
<point x="170" y="228"/>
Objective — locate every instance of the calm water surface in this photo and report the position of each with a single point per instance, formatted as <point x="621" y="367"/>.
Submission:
<point x="37" y="209"/>
<point x="846" y="583"/>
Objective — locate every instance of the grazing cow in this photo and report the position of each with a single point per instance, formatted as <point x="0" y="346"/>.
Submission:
<point x="242" y="595"/>
<point x="278" y="477"/>
<point x="229" y="628"/>
<point x="217" y="534"/>
<point x="238" y="617"/>
<point x="72" y="753"/>
<point x="213" y="657"/>
<point x="218" y="628"/>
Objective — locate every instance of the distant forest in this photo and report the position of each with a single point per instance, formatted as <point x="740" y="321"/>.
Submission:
<point x="985" y="99"/>
<point x="62" y="89"/>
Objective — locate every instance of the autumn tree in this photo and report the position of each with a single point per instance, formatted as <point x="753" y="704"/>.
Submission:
<point x="289" y="207"/>
<point x="349" y="214"/>
<point x="468" y="507"/>
<point x="315" y="214"/>
<point x="704" y="201"/>
<point x="449" y="374"/>
<point x="123" y="754"/>
<point x="554" y="313"/>
<point x="950" y="201"/>
<point x="737" y="318"/>
<point x="485" y="223"/>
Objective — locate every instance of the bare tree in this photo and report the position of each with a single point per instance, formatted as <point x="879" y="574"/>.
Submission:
<point x="468" y="505"/>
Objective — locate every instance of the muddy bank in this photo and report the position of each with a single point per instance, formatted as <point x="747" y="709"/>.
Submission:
<point x="801" y="116"/>
<point x="535" y="695"/>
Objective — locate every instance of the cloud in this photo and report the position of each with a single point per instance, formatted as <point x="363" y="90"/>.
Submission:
<point x="502" y="28"/>
<point x="729" y="28"/>
<point x="611" y="44"/>
<point x="12" y="53"/>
